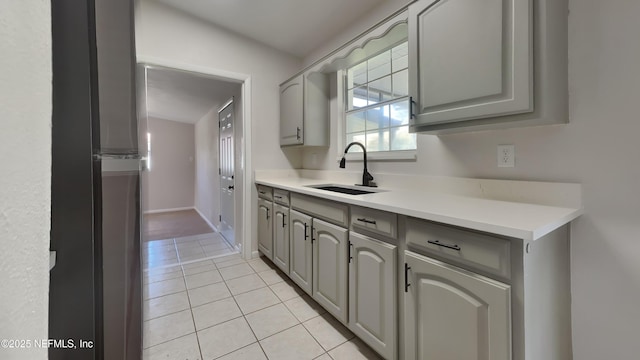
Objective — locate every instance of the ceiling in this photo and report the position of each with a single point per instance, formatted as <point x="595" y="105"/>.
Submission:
<point x="185" y="97"/>
<point x="296" y="27"/>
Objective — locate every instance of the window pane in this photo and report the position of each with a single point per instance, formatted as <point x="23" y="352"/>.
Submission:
<point x="399" y="114"/>
<point x="356" y="122"/>
<point x="359" y="137"/>
<point x="380" y="90"/>
<point x="357" y="98"/>
<point x="401" y="83"/>
<point x="379" y="66"/>
<point x="378" y="118"/>
<point x="378" y="140"/>
<point x="399" y="57"/>
<point x="357" y="75"/>
<point x="401" y="139"/>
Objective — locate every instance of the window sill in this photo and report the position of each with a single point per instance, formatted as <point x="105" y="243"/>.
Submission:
<point x="404" y="155"/>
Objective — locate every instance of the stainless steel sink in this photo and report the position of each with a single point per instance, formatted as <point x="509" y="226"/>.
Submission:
<point x="344" y="189"/>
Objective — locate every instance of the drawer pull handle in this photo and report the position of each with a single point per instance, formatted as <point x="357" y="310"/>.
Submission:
<point x="366" y="221"/>
<point x="262" y="192"/>
<point x="406" y="277"/>
<point x="437" y="242"/>
<point x="278" y="197"/>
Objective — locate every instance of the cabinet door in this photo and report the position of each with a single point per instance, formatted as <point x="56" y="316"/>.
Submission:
<point x="300" y="250"/>
<point x="265" y="227"/>
<point x="330" y="267"/>
<point x="470" y="59"/>
<point x="281" y="237"/>
<point x="373" y="293"/>
<point x="291" y="111"/>
<point x="450" y="313"/>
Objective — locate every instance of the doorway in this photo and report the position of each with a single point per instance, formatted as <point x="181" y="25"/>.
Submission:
<point x="219" y="201"/>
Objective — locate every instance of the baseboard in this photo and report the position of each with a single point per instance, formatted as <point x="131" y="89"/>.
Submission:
<point x="205" y="219"/>
<point x="169" y="210"/>
<point x="255" y="254"/>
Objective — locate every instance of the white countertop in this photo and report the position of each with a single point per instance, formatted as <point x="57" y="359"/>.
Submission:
<point x="514" y="219"/>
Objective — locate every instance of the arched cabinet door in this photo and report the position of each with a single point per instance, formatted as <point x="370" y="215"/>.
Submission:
<point x="265" y="227"/>
<point x="373" y="293"/>
<point x="281" y="237"/>
<point x="451" y="313"/>
<point x="330" y="267"/>
<point x="300" y="250"/>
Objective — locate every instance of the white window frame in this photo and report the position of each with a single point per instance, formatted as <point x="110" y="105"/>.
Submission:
<point x="390" y="155"/>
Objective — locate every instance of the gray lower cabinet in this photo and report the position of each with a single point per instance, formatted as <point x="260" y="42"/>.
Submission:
<point x="373" y="293"/>
<point x="265" y="227"/>
<point x="451" y="313"/>
<point x="300" y="250"/>
<point x="281" y="237"/>
<point x="330" y="244"/>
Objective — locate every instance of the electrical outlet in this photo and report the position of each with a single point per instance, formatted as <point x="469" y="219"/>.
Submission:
<point x="506" y="155"/>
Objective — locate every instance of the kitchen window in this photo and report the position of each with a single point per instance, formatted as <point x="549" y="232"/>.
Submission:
<point x="377" y="104"/>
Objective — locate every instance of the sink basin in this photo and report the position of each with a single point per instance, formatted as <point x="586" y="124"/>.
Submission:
<point x="344" y="189"/>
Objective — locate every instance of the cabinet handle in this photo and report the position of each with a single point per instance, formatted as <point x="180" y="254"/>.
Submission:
<point x="306" y="236"/>
<point x="437" y="242"/>
<point x="262" y="192"/>
<point x="312" y="230"/>
<point x="411" y="102"/>
<point x="349" y="250"/>
<point x="406" y="277"/>
<point x="298" y="133"/>
<point x="267" y="213"/>
<point x="277" y="197"/>
<point x="366" y="221"/>
<point x="283" y="219"/>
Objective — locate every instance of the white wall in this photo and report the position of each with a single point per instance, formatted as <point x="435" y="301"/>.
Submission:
<point x="599" y="149"/>
<point x="170" y="182"/>
<point x="25" y="181"/>
<point x="207" y="187"/>
<point x="170" y="35"/>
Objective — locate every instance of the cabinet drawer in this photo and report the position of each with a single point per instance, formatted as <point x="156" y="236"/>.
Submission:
<point x="265" y="192"/>
<point x="281" y="196"/>
<point x="467" y="248"/>
<point x="376" y="221"/>
<point x="331" y="211"/>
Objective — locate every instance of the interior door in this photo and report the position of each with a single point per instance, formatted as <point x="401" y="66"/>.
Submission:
<point x="226" y="170"/>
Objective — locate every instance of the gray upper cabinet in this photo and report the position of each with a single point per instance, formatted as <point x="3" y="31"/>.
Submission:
<point x="470" y="59"/>
<point x="487" y="64"/>
<point x="304" y="110"/>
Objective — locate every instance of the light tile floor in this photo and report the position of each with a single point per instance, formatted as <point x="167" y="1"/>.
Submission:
<point x="202" y="301"/>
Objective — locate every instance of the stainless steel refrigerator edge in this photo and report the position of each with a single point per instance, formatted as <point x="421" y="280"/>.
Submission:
<point x="95" y="294"/>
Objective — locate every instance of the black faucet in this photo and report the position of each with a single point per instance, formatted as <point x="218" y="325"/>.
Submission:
<point x="366" y="177"/>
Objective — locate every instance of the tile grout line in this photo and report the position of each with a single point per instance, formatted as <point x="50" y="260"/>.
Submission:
<point x="195" y="328"/>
